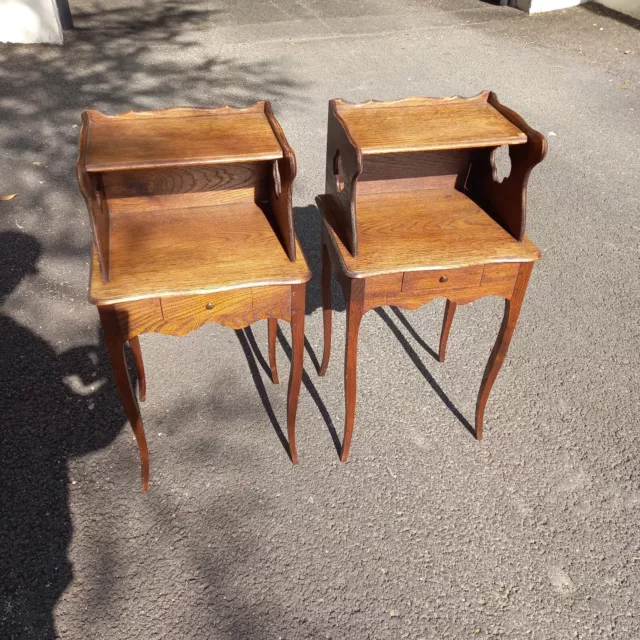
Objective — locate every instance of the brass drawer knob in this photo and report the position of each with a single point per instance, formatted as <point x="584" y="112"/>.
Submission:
<point x="444" y="279"/>
<point x="209" y="305"/>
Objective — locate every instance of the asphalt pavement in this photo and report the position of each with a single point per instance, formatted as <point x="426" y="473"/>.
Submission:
<point x="425" y="533"/>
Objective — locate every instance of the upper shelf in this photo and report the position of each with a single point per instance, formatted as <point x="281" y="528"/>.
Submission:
<point x="420" y="124"/>
<point x="179" y="137"/>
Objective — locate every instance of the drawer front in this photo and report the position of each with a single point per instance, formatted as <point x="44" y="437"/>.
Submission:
<point x="441" y="281"/>
<point x="236" y="309"/>
<point x="139" y="316"/>
<point x="208" y="305"/>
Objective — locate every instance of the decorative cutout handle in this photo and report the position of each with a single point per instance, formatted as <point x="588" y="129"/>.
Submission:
<point x="338" y="172"/>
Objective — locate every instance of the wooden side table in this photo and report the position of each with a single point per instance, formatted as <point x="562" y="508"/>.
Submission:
<point x="192" y="222"/>
<point x="414" y="210"/>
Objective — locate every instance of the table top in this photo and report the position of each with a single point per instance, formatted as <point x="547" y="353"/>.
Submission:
<point x="193" y="251"/>
<point x="422" y="230"/>
<point x="427" y="125"/>
<point x="174" y="139"/>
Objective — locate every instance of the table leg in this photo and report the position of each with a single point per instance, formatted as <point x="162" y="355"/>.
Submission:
<point x="327" y="311"/>
<point x="511" y="312"/>
<point x="134" y="345"/>
<point x="449" y="312"/>
<point x="355" y="299"/>
<point x="273" y="329"/>
<point x="297" y="356"/>
<point x="115" y="346"/>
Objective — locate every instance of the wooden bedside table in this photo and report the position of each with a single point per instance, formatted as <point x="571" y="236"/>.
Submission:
<point x="192" y="223"/>
<point x="414" y="211"/>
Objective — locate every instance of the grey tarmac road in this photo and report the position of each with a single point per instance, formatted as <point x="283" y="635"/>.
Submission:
<point x="425" y="533"/>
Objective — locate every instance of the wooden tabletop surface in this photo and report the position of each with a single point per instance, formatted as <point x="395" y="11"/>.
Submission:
<point x="429" y="229"/>
<point x="193" y="250"/>
<point x="116" y="144"/>
<point x="389" y="129"/>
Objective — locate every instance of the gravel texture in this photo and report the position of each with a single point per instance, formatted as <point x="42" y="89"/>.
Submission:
<point x="425" y="533"/>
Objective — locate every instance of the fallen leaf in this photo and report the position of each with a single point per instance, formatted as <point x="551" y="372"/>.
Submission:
<point x="624" y="87"/>
<point x="9" y="197"/>
<point x="627" y="52"/>
<point x="36" y="164"/>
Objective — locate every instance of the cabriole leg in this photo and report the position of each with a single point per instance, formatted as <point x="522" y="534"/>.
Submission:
<point x="134" y="345"/>
<point x="115" y="346"/>
<point x="297" y="357"/>
<point x="500" y="348"/>
<point x="327" y="311"/>
<point x="449" y="312"/>
<point x="354" y="301"/>
<point x="273" y="329"/>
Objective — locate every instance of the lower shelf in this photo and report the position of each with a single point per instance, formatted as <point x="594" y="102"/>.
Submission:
<point x="191" y="251"/>
<point x="428" y="229"/>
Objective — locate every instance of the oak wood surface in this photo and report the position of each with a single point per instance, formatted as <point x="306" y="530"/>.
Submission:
<point x="354" y="299"/>
<point x="506" y="201"/>
<point x="447" y="321"/>
<point x="177" y="187"/>
<point x="283" y="172"/>
<point x="93" y="194"/>
<point x="115" y="347"/>
<point x="428" y="127"/>
<point x="343" y="166"/>
<point x="297" y="364"/>
<point x="512" y="308"/>
<point x="193" y="250"/>
<point x="436" y="229"/>
<point x="273" y="363"/>
<point x="136" y="351"/>
<point x="181" y="138"/>
<point x="414" y="211"/>
<point x="414" y="171"/>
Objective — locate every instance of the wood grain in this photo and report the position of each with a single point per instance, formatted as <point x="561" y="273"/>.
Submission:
<point x="401" y="172"/>
<point x="176" y="187"/>
<point x="345" y="156"/>
<point x="179" y="315"/>
<point x="506" y="201"/>
<point x="442" y="279"/>
<point x="428" y="127"/>
<point x="355" y="311"/>
<point x="91" y="190"/>
<point x="417" y="214"/>
<point x="438" y="229"/>
<point x="499" y="352"/>
<point x="281" y="187"/>
<point x="190" y="137"/>
<point x="298" y="292"/>
<point x="190" y="251"/>
<point x="115" y="346"/>
<point x="138" y="316"/>
<point x="447" y="321"/>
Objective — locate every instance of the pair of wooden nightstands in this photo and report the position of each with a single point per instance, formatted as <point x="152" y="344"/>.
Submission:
<point x="192" y="222"/>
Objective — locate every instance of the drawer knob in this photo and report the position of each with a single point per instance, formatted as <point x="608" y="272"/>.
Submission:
<point x="209" y="305"/>
<point x="444" y="279"/>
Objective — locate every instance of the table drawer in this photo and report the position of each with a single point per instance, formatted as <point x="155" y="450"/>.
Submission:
<point x="442" y="280"/>
<point x="207" y="307"/>
<point x="236" y="308"/>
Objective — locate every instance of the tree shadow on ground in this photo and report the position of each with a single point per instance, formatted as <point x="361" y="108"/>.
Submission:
<point x="54" y="407"/>
<point x="58" y="406"/>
